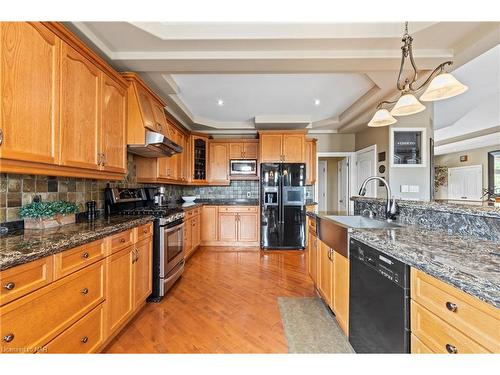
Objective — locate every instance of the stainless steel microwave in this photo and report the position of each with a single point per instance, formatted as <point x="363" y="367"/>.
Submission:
<point x="243" y="167"/>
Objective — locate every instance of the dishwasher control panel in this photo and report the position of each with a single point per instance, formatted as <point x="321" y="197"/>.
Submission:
<point x="390" y="268"/>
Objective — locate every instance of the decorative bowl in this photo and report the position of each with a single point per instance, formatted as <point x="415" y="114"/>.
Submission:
<point x="189" y="199"/>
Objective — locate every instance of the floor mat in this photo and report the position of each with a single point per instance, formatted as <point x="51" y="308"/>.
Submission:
<point x="310" y="327"/>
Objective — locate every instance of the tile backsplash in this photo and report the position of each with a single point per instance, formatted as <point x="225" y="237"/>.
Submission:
<point x="18" y="190"/>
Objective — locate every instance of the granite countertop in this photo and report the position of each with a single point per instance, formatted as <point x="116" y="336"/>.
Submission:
<point x="23" y="246"/>
<point x="469" y="264"/>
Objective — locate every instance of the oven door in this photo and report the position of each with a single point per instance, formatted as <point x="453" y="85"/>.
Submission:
<point x="171" y="248"/>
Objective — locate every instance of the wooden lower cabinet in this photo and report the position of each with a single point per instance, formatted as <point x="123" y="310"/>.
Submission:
<point x="325" y="278"/>
<point x="313" y="256"/>
<point x="228" y="227"/>
<point x="341" y="290"/>
<point x="120" y="288"/>
<point x="192" y="232"/>
<point x="80" y="309"/>
<point x="418" y="347"/>
<point x="209" y="228"/>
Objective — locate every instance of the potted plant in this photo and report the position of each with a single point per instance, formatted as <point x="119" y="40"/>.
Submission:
<point x="42" y="215"/>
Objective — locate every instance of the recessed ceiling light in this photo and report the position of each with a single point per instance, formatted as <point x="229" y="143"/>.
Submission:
<point x="220" y="102"/>
<point x="317" y="102"/>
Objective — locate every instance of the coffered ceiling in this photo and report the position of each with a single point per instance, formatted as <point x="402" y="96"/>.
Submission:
<point x="238" y="77"/>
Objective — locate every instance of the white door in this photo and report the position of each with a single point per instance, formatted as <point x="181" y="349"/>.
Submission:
<point x="365" y="167"/>
<point x="343" y="185"/>
<point x="465" y="183"/>
<point x="322" y="199"/>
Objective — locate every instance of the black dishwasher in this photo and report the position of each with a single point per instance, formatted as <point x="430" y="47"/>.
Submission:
<point x="379" y="301"/>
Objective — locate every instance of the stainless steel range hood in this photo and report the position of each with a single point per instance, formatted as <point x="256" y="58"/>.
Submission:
<point x="156" y="145"/>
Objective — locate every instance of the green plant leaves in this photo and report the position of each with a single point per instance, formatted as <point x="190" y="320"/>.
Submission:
<point x="37" y="210"/>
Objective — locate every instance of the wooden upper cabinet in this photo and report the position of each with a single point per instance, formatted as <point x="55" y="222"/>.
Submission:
<point x="294" y="148"/>
<point x="113" y="143"/>
<point x="29" y="92"/>
<point x="80" y="116"/>
<point x="310" y="146"/>
<point x="161" y="124"/>
<point x="219" y="162"/>
<point x="243" y="150"/>
<point x="146" y="109"/>
<point x="270" y="148"/>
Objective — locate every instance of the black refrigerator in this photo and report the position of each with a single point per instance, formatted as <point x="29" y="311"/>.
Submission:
<point x="283" y="205"/>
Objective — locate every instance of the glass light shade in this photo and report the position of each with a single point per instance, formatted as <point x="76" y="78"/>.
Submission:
<point x="443" y="86"/>
<point x="406" y="105"/>
<point x="381" y="118"/>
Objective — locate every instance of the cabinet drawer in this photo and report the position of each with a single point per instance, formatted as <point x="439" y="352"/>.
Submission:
<point x="121" y="240"/>
<point x="196" y="212"/>
<point x="418" y="347"/>
<point x="35" y="319"/>
<point x="476" y="319"/>
<point x="72" y="260"/>
<point x="144" y="231"/>
<point x="238" y="209"/>
<point x="439" y="336"/>
<point x="85" y="336"/>
<point x="21" y="280"/>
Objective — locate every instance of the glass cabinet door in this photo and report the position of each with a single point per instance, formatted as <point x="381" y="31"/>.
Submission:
<point x="199" y="159"/>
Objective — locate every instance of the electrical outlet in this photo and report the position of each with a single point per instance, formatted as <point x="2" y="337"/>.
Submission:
<point x="404" y="189"/>
<point x="249" y="194"/>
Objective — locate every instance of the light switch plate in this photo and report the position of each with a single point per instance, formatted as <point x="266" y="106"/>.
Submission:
<point x="404" y="189"/>
<point x="414" y="188"/>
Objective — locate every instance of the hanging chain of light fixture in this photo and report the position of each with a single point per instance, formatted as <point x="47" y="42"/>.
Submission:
<point x="440" y="85"/>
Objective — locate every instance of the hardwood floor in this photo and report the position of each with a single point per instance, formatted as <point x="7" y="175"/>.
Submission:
<point x="225" y="302"/>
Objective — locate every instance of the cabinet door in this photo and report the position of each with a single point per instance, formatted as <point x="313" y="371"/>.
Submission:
<point x="228" y="230"/>
<point x="188" y="237"/>
<point x="146" y="109"/>
<point x="174" y="135"/>
<point x="248" y="225"/>
<point x="219" y="162"/>
<point x="310" y="147"/>
<point x="161" y="124"/>
<point x="325" y="273"/>
<point x="209" y="216"/>
<point x="120" y="288"/>
<point x="270" y="148"/>
<point x="236" y="150"/>
<point x="29" y="92"/>
<point x="143" y="271"/>
<point x="341" y="290"/>
<point x="113" y="145"/>
<point x="80" y="112"/>
<point x="195" y="231"/>
<point x="250" y="150"/>
<point x="313" y="257"/>
<point x="294" y="148"/>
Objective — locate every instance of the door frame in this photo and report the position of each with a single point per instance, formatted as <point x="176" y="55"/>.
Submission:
<point x="325" y="182"/>
<point x="372" y="148"/>
<point x="339" y="184"/>
<point x="351" y="173"/>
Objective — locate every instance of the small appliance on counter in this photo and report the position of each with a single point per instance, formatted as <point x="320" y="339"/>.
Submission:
<point x="168" y="233"/>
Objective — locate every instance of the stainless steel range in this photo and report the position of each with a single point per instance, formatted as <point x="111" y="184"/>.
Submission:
<point x="168" y="233"/>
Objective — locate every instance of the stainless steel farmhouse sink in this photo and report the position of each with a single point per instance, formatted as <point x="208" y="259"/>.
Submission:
<point x="362" y="222"/>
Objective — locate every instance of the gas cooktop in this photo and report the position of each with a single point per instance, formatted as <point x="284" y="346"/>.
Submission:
<point x="168" y="214"/>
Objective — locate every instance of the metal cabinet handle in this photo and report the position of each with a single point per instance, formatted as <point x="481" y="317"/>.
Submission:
<point x="8" y="337"/>
<point x="451" y="306"/>
<point x="136" y="255"/>
<point x="85" y="255"/>
<point x="10" y="285"/>
<point x="1" y="137"/>
<point x="451" y="349"/>
<point x="84" y="339"/>
<point x="85" y="291"/>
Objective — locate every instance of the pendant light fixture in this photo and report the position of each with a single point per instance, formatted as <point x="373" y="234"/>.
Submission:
<point x="442" y="86"/>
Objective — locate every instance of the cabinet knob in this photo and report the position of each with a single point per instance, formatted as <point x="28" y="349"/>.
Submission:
<point x="122" y="240"/>
<point x="451" y="306"/>
<point x="451" y="349"/>
<point x="85" y="291"/>
<point x="144" y="231"/>
<point x="84" y="339"/>
<point x="8" y="337"/>
<point x="85" y="255"/>
<point x="10" y="285"/>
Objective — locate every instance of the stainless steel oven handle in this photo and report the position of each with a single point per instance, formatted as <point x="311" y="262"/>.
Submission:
<point x="173" y="229"/>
